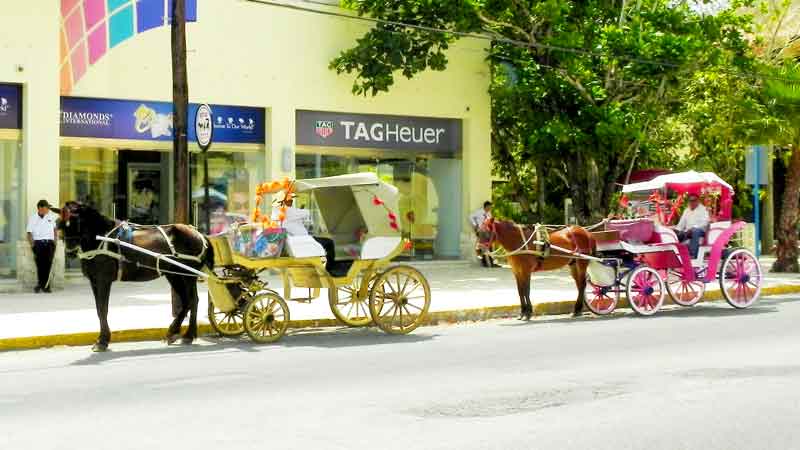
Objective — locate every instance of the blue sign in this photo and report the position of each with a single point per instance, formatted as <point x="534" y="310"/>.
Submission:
<point x="10" y="106"/>
<point x="152" y="121"/>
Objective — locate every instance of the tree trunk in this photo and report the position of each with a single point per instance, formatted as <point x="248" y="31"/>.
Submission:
<point x="787" y="224"/>
<point x="180" y="101"/>
<point x="541" y="192"/>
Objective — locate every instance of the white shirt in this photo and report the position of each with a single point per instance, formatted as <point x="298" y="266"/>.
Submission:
<point x="478" y="217"/>
<point x="42" y="228"/>
<point x="295" y="219"/>
<point x="694" y="218"/>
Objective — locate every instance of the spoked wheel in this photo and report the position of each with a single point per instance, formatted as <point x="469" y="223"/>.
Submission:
<point x="228" y="324"/>
<point x="349" y="305"/>
<point x="601" y="300"/>
<point x="682" y="292"/>
<point x="399" y="300"/>
<point x="645" y="290"/>
<point x="740" y="278"/>
<point x="266" y="318"/>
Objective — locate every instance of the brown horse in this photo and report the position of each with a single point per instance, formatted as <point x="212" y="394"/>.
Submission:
<point x="515" y="238"/>
<point x="102" y="266"/>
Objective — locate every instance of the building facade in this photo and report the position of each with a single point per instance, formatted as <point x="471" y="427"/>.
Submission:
<point x="103" y="68"/>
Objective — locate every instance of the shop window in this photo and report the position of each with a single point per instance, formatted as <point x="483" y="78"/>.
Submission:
<point x="13" y="213"/>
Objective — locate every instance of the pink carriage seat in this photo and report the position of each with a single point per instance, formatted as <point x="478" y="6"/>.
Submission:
<point x="715" y="230"/>
<point x="633" y="230"/>
<point x="663" y="235"/>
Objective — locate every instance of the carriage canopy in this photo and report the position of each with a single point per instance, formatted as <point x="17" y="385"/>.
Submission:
<point x="698" y="183"/>
<point x="349" y="203"/>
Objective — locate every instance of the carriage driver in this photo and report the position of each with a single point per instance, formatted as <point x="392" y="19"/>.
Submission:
<point x="693" y="224"/>
<point x="295" y="226"/>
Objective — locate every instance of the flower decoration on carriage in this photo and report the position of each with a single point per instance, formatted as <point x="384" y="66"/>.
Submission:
<point x="286" y="186"/>
<point x="390" y="214"/>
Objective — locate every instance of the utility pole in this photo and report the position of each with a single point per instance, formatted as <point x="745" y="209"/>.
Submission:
<point x="180" y="106"/>
<point x="180" y="102"/>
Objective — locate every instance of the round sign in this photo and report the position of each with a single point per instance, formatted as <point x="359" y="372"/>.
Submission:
<point x="204" y="127"/>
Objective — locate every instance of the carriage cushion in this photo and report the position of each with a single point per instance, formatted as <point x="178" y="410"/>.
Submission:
<point x="304" y="247"/>
<point x="715" y="230"/>
<point x="664" y="235"/>
<point x="379" y="247"/>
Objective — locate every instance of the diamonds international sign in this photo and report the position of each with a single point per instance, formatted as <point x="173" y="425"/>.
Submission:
<point x="423" y="134"/>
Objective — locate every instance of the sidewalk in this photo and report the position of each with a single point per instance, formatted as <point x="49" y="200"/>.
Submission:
<point x="455" y="286"/>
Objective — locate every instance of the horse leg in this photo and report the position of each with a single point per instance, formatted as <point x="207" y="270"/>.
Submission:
<point x="193" y="301"/>
<point x="528" y="303"/>
<point x="521" y="291"/>
<point x="101" y="288"/>
<point x="578" y="270"/>
<point x="179" y="287"/>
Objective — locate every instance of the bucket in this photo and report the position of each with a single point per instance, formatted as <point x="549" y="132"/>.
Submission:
<point x="601" y="274"/>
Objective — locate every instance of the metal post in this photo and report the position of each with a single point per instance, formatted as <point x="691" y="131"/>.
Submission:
<point x="207" y="214"/>
<point x="756" y="200"/>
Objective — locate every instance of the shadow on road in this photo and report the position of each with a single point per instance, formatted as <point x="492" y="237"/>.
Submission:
<point x="695" y="311"/>
<point x="320" y="338"/>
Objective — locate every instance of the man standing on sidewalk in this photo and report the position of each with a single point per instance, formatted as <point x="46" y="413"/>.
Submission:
<point x="477" y="219"/>
<point x="42" y="237"/>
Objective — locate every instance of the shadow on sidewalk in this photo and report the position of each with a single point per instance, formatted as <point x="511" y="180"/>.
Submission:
<point x="319" y="338"/>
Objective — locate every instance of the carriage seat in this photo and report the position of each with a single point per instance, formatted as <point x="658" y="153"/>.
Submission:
<point x="304" y="247"/>
<point x="379" y="247"/>
<point x="715" y="229"/>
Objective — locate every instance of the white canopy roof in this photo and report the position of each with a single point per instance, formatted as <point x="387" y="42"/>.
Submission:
<point x="684" y="178"/>
<point x="355" y="179"/>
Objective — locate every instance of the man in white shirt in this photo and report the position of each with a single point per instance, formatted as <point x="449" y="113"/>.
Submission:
<point x="693" y="224"/>
<point x="294" y="223"/>
<point x="479" y="216"/>
<point x="42" y="237"/>
<point x="476" y="219"/>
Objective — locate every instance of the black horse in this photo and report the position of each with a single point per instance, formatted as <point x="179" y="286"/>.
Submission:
<point x="102" y="266"/>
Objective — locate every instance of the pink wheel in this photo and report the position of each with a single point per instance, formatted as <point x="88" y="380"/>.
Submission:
<point x="601" y="300"/>
<point x="682" y="292"/>
<point x="645" y="290"/>
<point x="740" y="278"/>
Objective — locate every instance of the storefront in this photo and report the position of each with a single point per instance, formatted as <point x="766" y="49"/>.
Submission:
<point x="116" y="155"/>
<point x="12" y="220"/>
<point x="419" y="155"/>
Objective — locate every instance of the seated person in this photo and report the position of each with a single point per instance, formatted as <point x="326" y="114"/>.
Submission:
<point x="693" y="224"/>
<point x="294" y="225"/>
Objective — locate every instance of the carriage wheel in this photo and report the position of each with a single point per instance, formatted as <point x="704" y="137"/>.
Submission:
<point x="740" y="278"/>
<point x="228" y="324"/>
<point x="645" y="290"/>
<point x="266" y="318"/>
<point x="601" y="300"/>
<point x="399" y="300"/>
<point x="348" y="306"/>
<point x="682" y="292"/>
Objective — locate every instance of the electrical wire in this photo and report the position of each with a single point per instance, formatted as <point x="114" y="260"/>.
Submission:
<point x="498" y="39"/>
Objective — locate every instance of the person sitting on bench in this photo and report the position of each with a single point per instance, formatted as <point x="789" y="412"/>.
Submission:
<point x="693" y="224"/>
<point x="295" y="226"/>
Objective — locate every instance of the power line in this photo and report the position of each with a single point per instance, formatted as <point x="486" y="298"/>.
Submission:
<point x="498" y="39"/>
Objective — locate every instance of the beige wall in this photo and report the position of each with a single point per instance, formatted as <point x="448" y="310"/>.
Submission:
<point x="29" y="56"/>
<point x="244" y="54"/>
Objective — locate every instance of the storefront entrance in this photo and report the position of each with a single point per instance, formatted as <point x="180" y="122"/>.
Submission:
<point x="420" y="156"/>
<point x="13" y="211"/>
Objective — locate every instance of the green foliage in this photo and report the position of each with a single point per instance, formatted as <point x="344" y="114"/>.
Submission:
<point x="576" y="104"/>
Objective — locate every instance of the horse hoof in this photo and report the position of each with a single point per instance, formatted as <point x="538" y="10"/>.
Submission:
<point x="186" y="341"/>
<point x="99" y="348"/>
<point x="172" y="338"/>
<point x="527" y="317"/>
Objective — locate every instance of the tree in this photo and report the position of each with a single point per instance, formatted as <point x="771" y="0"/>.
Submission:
<point x="591" y="77"/>
<point x="180" y="102"/>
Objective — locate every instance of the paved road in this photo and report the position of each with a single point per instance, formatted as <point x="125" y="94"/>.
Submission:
<point x="705" y="378"/>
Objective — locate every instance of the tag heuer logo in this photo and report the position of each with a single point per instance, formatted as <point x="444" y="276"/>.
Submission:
<point x="324" y="128"/>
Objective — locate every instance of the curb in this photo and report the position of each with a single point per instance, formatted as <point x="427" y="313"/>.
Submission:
<point x="435" y="318"/>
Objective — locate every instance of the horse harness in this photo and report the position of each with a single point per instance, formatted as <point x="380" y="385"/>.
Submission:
<point x="124" y="232"/>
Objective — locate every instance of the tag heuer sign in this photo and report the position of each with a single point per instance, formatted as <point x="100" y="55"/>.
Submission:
<point x="374" y="131"/>
<point x="324" y="128"/>
<point x="204" y="127"/>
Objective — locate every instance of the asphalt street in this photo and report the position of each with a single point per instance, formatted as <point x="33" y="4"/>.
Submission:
<point x="706" y="378"/>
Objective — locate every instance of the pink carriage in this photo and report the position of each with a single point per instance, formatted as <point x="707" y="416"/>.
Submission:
<point x="643" y="258"/>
